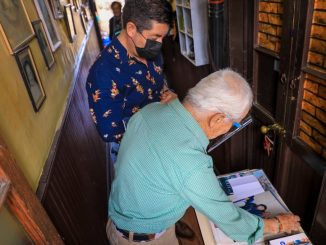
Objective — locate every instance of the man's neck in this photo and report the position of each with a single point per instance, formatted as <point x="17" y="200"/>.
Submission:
<point x="200" y="120"/>
<point x="128" y="44"/>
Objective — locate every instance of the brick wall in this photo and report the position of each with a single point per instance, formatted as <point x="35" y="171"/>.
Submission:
<point x="313" y="116"/>
<point x="313" y="119"/>
<point x="270" y="24"/>
<point x="317" y="46"/>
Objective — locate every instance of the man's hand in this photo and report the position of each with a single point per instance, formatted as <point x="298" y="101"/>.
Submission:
<point x="288" y="222"/>
<point x="168" y="96"/>
<point x="282" y="223"/>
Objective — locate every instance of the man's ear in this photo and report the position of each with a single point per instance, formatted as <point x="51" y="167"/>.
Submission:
<point x="131" y="29"/>
<point x="216" y="119"/>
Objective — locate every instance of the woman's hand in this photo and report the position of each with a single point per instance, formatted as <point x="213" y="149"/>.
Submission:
<point x="168" y="96"/>
<point x="282" y="223"/>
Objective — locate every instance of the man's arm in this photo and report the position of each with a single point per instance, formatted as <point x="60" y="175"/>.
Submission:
<point x="106" y="105"/>
<point x="205" y="194"/>
<point x="204" y="191"/>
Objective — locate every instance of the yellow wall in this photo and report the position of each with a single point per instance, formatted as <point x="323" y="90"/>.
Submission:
<point x="29" y="134"/>
<point x="11" y="231"/>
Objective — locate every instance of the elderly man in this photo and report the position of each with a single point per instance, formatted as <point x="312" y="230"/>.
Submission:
<point x="163" y="167"/>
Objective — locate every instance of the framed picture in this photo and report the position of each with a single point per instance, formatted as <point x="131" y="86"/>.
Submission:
<point x="49" y="24"/>
<point x="84" y="11"/>
<point x="83" y="21"/>
<point x="70" y="23"/>
<point x="15" y="25"/>
<point x="43" y="43"/>
<point x="57" y="9"/>
<point x="31" y="78"/>
<point x="76" y="4"/>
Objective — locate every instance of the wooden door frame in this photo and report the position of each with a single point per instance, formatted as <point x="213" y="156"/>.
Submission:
<point x="23" y="203"/>
<point x="266" y="117"/>
<point x="310" y="157"/>
<point x="296" y="28"/>
<point x="302" y="23"/>
<point x="291" y="67"/>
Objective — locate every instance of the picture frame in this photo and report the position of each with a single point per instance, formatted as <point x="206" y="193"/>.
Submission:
<point x="84" y="11"/>
<point x="70" y="23"/>
<point x="77" y="5"/>
<point x="83" y="21"/>
<point x="43" y="43"/>
<point x="51" y="31"/>
<point x="57" y="9"/>
<point x="31" y="78"/>
<point x="71" y="2"/>
<point x="15" y="25"/>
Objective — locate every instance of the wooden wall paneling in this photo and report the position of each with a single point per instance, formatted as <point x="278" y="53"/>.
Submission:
<point x="234" y="155"/>
<point x="235" y="34"/>
<point x="73" y="189"/>
<point x="260" y="159"/>
<point x="318" y="229"/>
<point x="239" y="150"/>
<point x="221" y="159"/>
<point x="299" y="185"/>
<point x="23" y="203"/>
<point x="180" y="73"/>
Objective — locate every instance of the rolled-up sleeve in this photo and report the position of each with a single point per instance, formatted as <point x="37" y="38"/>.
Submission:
<point x="203" y="191"/>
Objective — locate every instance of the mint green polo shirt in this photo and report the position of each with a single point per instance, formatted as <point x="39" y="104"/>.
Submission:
<point x="163" y="168"/>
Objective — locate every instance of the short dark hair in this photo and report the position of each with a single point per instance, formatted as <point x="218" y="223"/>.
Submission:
<point x="261" y="205"/>
<point x="116" y="3"/>
<point x="142" y="12"/>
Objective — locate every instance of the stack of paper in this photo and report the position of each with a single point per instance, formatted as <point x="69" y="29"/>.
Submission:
<point x="297" y="239"/>
<point x="244" y="187"/>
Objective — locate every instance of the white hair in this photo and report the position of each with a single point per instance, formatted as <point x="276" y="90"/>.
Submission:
<point x="224" y="91"/>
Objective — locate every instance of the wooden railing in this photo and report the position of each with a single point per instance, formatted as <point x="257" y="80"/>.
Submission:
<point x="20" y="199"/>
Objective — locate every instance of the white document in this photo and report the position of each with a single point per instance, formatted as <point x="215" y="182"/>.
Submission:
<point x="244" y="187"/>
<point x="300" y="238"/>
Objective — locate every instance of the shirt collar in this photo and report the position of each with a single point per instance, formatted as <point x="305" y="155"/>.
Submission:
<point x="124" y="56"/>
<point x="122" y="50"/>
<point x="190" y="122"/>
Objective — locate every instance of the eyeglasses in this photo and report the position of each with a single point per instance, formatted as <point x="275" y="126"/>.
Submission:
<point x="236" y="127"/>
<point x="236" y="124"/>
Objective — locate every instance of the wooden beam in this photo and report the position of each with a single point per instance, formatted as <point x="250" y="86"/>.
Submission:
<point x="23" y="203"/>
<point x="4" y="188"/>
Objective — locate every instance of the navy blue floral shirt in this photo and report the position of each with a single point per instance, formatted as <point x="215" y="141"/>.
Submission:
<point x="118" y="85"/>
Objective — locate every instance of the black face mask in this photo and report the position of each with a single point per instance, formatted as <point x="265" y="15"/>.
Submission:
<point x="151" y="50"/>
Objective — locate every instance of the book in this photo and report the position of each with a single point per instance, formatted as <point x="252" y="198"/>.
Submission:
<point x="260" y="175"/>
<point x="244" y="187"/>
<point x="264" y="205"/>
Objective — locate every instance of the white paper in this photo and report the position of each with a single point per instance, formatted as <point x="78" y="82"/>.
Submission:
<point x="300" y="238"/>
<point x="244" y="187"/>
